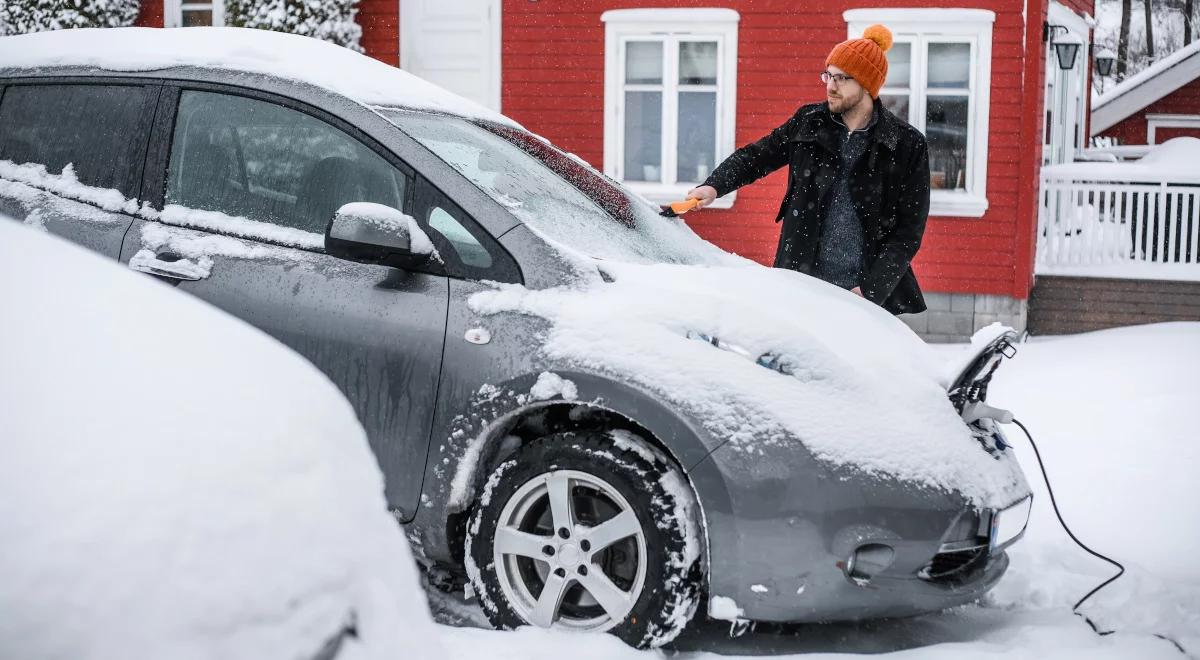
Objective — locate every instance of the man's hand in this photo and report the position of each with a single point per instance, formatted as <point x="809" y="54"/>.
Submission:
<point x="857" y="291"/>
<point x="706" y="195"/>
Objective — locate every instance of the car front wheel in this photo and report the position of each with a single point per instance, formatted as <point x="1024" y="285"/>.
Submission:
<point x="587" y="531"/>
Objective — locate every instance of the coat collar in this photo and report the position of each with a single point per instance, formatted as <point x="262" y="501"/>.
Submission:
<point x="821" y="127"/>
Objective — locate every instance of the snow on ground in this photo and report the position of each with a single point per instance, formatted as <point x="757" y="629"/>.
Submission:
<point x="1113" y="413"/>
<point x="177" y="484"/>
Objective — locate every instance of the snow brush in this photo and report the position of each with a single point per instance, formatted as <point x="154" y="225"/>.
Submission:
<point x="675" y="209"/>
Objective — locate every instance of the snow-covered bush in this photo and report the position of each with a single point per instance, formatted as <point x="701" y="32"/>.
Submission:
<point x="329" y="20"/>
<point x="23" y="16"/>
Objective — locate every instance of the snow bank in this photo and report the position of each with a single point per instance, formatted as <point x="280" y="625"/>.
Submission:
<point x="1113" y="415"/>
<point x="176" y="484"/>
<point x="864" y="391"/>
<point x="304" y="59"/>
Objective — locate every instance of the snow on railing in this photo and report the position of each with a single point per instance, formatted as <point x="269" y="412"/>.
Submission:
<point x="1118" y="214"/>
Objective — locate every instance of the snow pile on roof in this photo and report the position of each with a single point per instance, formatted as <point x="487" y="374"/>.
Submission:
<point x="1141" y="77"/>
<point x="176" y="484"/>
<point x="1172" y="161"/>
<point x="304" y="59"/>
<point x="864" y="391"/>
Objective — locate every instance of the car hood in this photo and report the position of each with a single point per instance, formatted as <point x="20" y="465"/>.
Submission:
<point x="766" y="356"/>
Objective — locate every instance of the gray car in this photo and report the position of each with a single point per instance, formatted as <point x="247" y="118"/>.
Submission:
<point x="562" y="492"/>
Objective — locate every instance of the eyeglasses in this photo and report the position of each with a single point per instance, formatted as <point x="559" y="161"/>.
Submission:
<point x="837" y="78"/>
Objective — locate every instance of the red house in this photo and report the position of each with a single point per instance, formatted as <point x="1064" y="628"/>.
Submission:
<point x="1157" y="104"/>
<point x="657" y="93"/>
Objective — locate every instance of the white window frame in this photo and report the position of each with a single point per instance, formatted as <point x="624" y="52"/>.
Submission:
<point x="1155" y="121"/>
<point x="921" y="27"/>
<point x="173" y="11"/>
<point x="670" y="26"/>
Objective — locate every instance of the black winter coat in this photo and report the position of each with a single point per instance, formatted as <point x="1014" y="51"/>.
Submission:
<point x="889" y="186"/>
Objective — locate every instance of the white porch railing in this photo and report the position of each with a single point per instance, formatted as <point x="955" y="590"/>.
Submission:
<point x="1098" y="215"/>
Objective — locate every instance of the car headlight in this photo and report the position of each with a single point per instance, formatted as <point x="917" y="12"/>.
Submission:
<point x="772" y="361"/>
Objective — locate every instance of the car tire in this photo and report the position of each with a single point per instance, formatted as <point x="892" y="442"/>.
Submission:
<point x="601" y="518"/>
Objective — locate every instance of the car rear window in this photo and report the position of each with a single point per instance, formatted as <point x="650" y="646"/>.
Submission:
<point x="99" y="130"/>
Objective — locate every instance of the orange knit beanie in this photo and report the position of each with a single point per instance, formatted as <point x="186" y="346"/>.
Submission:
<point x="863" y="59"/>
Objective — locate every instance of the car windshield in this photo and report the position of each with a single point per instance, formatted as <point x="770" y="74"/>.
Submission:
<point x="555" y="193"/>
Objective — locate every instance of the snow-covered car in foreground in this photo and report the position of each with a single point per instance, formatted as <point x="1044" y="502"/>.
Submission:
<point x="176" y="484"/>
<point x="581" y="408"/>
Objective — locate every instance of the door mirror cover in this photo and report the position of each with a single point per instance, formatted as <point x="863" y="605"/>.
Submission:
<point x="374" y="233"/>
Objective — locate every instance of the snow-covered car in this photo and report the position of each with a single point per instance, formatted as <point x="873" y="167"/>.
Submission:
<point x="584" y="411"/>
<point x="176" y="484"/>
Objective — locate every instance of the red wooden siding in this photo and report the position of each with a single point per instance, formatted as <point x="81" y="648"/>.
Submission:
<point x="150" y="14"/>
<point x="380" y="21"/>
<point x="1183" y="101"/>
<point x="553" y="83"/>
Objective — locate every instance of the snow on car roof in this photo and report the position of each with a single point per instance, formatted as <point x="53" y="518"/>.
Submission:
<point x="288" y="56"/>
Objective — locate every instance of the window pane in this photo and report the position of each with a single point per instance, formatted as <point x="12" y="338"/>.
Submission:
<point x="258" y="160"/>
<point x="470" y="250"/>
<point x="899" y="65"/>
<point x="946" y="133"/>
<point x="949" y="65"/>
<point x="697" y="135"/>
<point x="197" y="17"/>
<point x="644" y="62"/>
<point x="698" y="63"/>
<point x="100" y="130"/>
<point x="897" y="104"/>
<point x="643" y="136"/>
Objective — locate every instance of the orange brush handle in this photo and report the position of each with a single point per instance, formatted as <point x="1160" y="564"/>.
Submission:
<point x="684" y="206"/>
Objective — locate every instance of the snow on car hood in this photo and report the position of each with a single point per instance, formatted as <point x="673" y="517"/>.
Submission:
<point x="865" y="391"/>
<point x="289" y="56"/>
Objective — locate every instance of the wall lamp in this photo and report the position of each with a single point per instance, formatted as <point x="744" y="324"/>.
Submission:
<point x="1105" y="59"/>
<point x="1066" y="50"/>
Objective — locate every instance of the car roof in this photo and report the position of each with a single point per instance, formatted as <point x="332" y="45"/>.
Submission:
<point x="172" y="52"/>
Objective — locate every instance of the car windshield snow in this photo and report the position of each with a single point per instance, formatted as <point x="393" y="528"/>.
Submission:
<point x="554" y="193"/>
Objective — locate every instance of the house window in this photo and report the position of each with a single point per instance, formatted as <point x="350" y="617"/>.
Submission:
<point x="670" y="81"/>
<point x="182" y="13"/>
<point x="939" y="75"/>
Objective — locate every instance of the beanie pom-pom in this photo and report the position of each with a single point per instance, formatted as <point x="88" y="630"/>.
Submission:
<point x="880" y="35"/>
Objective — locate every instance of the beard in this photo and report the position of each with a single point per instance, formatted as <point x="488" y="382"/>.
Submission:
<point x="842" y="103"/>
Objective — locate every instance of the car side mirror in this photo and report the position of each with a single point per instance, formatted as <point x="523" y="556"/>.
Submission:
<point x="376" y="234"/>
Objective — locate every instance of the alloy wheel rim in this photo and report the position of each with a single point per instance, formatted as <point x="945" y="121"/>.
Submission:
<point x="570" y="553"/>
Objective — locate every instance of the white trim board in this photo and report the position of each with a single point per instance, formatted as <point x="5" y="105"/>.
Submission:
<point x="1139" y="91"/>
<point x="1156" y="121"/>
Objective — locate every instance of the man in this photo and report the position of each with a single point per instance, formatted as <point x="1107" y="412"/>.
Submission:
<point x="858" y="190"/>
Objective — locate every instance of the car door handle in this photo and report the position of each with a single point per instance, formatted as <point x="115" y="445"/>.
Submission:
<point x="171" y="266"/>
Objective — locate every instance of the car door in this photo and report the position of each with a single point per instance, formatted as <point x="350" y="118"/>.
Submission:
<point x="249" y="183"/>
<point x="71" y="156"/>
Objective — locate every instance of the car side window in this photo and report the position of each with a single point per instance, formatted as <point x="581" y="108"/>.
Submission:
<point x="101" y="131"/>
<point x="466" y="250"/>
<point x="253" y="159"/>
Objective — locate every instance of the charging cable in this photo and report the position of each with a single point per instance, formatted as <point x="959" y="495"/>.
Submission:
<point x="1120" y="568"/>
